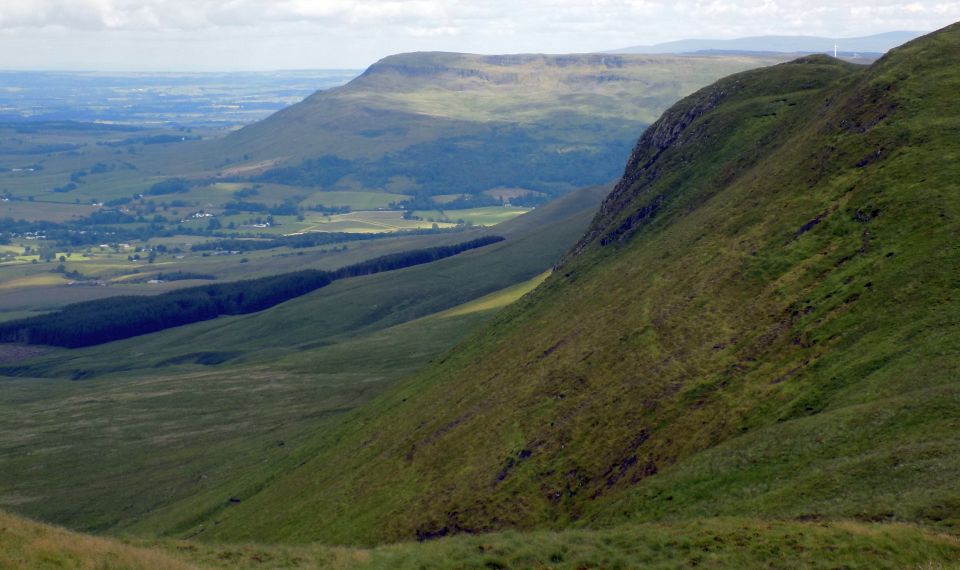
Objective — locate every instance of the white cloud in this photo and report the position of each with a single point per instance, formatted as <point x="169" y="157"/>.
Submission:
<point x="193" y="14"/>
<point x="355" y="32"/>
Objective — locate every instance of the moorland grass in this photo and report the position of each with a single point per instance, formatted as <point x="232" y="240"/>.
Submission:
<point x="166" y="428"/>
<point x="702" y="543"/>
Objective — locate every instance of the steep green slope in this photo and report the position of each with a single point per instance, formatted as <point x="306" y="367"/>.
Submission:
<point x="760" y="322"/>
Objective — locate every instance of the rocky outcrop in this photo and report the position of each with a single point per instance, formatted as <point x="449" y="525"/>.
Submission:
<point x="670" y="131"/>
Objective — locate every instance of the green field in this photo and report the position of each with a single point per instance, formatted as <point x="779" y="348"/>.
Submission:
<point x="367" y="222"/>
<point x="215" y="194"/>
<point x="373" y="221"/>
<point x="50" y="211"/>
<point x="355" y="200"/>
<point x="487" y="216"/>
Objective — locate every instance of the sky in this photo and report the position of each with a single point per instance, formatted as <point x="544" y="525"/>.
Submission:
<point x="234" y="35"/>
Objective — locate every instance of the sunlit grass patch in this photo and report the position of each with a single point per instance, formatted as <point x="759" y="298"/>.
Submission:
<point x="32" y="281"/>
<point x="496" y="300"/>
<point x="484" y="216"/>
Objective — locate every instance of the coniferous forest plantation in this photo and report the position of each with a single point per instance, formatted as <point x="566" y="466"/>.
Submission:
<point x="680" y="305"/>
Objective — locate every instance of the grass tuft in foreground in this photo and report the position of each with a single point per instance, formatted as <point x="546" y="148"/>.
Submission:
<point x="702" y="543"/>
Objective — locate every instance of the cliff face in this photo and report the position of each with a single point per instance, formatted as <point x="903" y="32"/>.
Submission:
<point x="679" y="129"/>
<point x="643" y="169"/>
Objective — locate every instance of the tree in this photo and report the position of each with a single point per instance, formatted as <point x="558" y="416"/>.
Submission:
<point x="169" y="186"/>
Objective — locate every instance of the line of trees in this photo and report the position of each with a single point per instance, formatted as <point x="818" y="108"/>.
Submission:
<point x="105" y="320"/>
<point x="409" y="258"/>
<point x="169" y="186"/>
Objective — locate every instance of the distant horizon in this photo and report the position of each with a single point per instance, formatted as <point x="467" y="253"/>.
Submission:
<point x="183" y="36"/>
<point x="183" y="71"/>
<point x="147" y="71"/>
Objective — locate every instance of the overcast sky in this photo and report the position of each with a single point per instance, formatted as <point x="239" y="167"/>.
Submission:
<point x="208" y="35"/>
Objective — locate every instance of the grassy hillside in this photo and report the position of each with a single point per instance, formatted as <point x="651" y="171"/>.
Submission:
<point x="760" y="322"/>
<point x="399" y="91"/>
<point x="182" y="438"/>
<point x="26" y="544"/>
<point x="414" y="123"/>
<point x="183" y="420"/>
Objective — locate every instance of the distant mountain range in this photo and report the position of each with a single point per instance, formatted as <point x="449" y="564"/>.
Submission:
<point x="879" y="43"/>
<point x="415" y="123"/>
